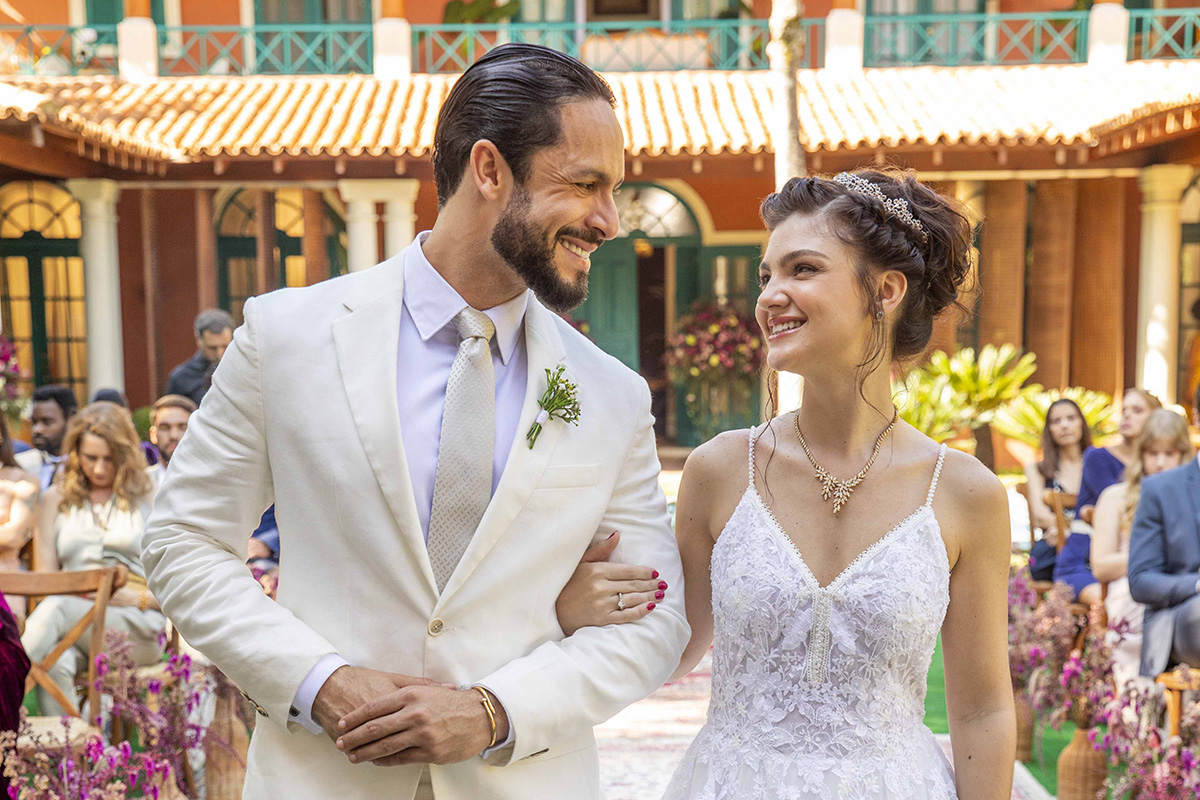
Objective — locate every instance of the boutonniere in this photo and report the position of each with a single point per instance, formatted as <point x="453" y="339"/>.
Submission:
<point x="560" y="400"/>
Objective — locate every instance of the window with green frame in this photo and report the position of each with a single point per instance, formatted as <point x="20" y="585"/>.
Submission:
<point x="312" y="11"/>
<point x="110" y="12"/>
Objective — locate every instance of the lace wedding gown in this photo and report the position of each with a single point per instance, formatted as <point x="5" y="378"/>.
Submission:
<point x="819" y="692"/>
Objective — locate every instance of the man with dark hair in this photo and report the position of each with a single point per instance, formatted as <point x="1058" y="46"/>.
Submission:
<point x="168" y="423"/>
<point x="53" y="407"/>
<point x="433" y="510"/>
<point x="214" y="332"/>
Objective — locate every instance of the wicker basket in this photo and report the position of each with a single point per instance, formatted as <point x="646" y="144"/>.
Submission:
<point x="1081" y="769"/>
<point x="1024" y="725"/>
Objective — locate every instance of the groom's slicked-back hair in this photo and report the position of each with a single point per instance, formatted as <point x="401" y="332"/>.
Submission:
<point x="510" y="97"/>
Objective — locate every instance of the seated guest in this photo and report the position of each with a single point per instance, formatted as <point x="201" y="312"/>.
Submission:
<point x="94" y="516"/>
<point x="1064" y="438"/>
<point x="264" y="542"/>
<point x="1164" y="566"/>
<point x="1163" y="445"/>
<point x="53" y="407"/>
<point x="18" y="498"/>
<point x="214" y="332"/>
<point x="1102" y="467"/>
<point x="168" y="423"/>
<point x="14" y="666"/>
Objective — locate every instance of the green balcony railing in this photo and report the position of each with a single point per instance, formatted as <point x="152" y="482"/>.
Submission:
<point x="325" y="49"/>
<point x="1058" y="37"/>
<point x="718" y="44"/>
<point x="58" y="50"/>
<point x="1164" y="33"/>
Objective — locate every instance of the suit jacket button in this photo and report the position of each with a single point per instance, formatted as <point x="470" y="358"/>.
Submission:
<point x="436" y="626"/>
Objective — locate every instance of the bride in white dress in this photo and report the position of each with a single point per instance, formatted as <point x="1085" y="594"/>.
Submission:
<point x="823" y="612"/>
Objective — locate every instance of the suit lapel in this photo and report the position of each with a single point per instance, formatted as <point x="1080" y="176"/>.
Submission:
<point x="524" y="466"/>
<point x="367" y="342"/>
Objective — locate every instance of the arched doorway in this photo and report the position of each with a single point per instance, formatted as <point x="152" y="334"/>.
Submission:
<point x="41" y="284"/>
<point x="237" y="247"/>
<point x="643" y="281"/>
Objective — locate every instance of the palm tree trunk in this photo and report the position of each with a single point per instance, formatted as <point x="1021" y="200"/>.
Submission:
<point x="983" y="446"/>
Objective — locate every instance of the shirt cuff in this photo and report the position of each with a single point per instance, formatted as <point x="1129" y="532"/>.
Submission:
<point x="301" y="711"/>
<point x="512" y="729"/>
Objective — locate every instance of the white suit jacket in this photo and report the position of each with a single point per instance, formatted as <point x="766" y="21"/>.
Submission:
<point x="303" y="412"/>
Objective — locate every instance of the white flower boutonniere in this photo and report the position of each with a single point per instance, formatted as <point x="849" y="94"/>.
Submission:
<point x="559" y="400"/>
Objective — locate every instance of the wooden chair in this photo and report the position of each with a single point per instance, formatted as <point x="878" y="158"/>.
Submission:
<point x="1174" y="685"/>
<point x="1059" y="502"/>
<point x="98" y="582"/>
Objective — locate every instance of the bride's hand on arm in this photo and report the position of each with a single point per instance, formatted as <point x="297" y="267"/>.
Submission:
<point x="590" y="598"/>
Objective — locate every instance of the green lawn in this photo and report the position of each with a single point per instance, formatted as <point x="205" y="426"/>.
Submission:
<point x="1043" y="768"/>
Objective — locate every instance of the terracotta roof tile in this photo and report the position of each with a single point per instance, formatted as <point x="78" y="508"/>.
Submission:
<point x="672" y="113"/>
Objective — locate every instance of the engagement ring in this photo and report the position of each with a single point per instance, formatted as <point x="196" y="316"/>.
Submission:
<point x="620" y="601"/>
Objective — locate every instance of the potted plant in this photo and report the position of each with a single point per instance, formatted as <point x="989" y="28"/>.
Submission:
<point x="1024" y="417"/>
<point x="1150" y="765"/>
<point x="716" y="356"/>
<point x="1039" y="640"/>
<point x="12" y="404"/>
<point x="1081" y="693"/>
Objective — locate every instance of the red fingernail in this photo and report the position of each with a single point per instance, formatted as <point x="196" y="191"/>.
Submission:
<point x="659" y="595"/>
<point x="614" y="533"/>
<point x="650" y="607"/>
<point x="662" y="585"/>
<point x="655" y="574"/>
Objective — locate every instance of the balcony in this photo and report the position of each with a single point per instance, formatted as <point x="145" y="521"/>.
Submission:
<point x="719" y="44"/>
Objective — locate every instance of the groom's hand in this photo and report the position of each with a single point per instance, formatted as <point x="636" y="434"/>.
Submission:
<point x="420" y="725"/>
<point x="349" y="688"/>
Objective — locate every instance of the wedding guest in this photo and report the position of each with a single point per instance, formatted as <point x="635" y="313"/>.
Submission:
<point x="1102" y="467"/>
<point x="1164" y="565"/>
<point x="214" y="331"/>
<point x="53" y="407"/>
<point x="1163" y="445"/>
<point x="18" y="498"/>
<point x="94" y="516"/>
<point x="168" y="423"/>
<point x="114" y="396"/>
<point x="1065" y="436"/>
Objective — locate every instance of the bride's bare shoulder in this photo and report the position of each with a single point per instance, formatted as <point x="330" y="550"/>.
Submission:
<point x="716" y="475"/>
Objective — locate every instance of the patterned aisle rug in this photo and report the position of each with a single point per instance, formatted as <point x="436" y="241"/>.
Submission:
<point x="641" y="746"/>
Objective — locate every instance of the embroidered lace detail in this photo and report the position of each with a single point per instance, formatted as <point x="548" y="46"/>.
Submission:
<point x="819" y="692"/>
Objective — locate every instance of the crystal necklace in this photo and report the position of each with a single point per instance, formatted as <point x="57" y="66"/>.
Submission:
<point x="837" y="488"/>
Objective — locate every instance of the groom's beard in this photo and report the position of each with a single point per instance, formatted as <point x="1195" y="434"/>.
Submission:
<point x="523" y="247"/>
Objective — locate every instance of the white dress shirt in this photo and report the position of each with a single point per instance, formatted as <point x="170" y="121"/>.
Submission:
<point x="428" y="345"/>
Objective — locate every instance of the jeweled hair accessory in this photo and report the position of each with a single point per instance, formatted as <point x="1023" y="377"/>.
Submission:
<point x="896" y="206"/>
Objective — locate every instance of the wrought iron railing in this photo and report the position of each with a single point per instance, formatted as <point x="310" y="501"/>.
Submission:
<point x="1058" y="37"/>
<point x="719" y="44"/>
<point x="1164" y="33"/>
<point x="326" y="49"/>
<point x="58" y="50"/>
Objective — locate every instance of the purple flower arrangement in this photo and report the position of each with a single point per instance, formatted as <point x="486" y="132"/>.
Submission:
<point x="12" y="404"/>
<point x="1039" y="634"/>
<point x="161" y="709"/>
<point x="1151" y="765"/>
<point x="1083" y="687"/>
<point x="715" y="343"/>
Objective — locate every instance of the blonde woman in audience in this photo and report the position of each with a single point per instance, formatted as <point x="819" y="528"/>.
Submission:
<point x="1163" y="445"/>
<point x="92" y="517"/>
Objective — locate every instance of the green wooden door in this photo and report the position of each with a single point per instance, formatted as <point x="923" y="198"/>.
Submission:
<point x="611" y="310"/>
<point x="110" y="12"/>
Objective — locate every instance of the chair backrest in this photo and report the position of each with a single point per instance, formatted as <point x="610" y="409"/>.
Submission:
<point x="1059" y="502"/>
<point x="98" y="582"/>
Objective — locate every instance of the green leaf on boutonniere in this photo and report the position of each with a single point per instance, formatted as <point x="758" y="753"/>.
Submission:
<point x="559" y="401"/>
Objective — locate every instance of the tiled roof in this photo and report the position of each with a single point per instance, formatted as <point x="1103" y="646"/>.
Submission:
<point x="699" y="112"/>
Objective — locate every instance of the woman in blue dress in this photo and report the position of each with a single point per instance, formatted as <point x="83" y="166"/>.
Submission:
<point x="1102" y="467"/>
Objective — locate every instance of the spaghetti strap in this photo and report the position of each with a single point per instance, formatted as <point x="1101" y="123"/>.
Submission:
<point x="937" y="472"/>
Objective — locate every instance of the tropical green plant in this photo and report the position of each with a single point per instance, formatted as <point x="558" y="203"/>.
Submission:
<point x="979" y="386"/>
<point x="1023" y="418"/>
<point x="479" y="12"/>
<point x="929" y="404"/>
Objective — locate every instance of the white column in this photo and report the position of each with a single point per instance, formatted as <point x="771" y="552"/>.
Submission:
<point x="393" y="48"/>
<point x="1162" y="187"/>
<point x="362" y="251"/>
<point x="1108" y="34"/>
<point x="845" y="30"/>
<point x="102" y="281"/>
<point x="400" y="216"/>
<point x="137" y="49"/>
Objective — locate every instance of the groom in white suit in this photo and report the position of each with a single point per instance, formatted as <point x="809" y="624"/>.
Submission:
<point x="385" y="414"/>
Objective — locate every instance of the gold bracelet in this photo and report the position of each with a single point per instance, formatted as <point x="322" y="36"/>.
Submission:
<point x="491" y="713"/>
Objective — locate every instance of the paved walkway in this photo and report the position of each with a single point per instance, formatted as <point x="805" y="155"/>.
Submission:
<point x="641" y="746"/>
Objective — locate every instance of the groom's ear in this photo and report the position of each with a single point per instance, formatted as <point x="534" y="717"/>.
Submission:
<point x="490" y="171"/>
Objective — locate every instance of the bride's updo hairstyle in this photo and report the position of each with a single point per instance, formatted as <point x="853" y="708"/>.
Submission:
<point x="934" y="254"/>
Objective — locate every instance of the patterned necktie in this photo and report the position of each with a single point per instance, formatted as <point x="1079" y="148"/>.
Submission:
<point x="462" y="487"/>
